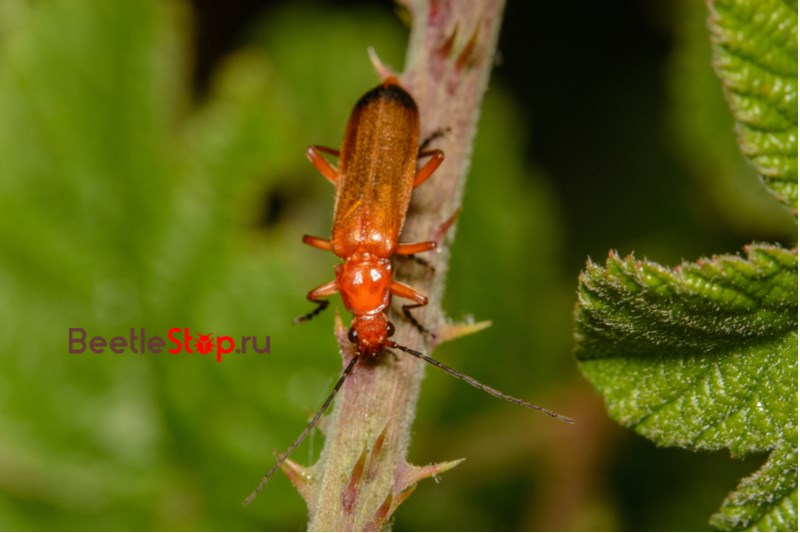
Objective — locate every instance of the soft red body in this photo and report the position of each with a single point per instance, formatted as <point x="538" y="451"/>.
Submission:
<point x="378" y="162"/>
<point x="376" y="174"/>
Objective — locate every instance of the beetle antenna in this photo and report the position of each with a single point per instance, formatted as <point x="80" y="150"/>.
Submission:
<point x="285" y="455"/>
<point x="478" y="385"/>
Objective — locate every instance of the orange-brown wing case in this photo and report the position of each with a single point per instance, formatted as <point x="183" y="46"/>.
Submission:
<point x="377" y="165"/>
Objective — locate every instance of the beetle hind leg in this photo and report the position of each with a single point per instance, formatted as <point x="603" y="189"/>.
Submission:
<point x="436" y="158"/>
<point x="326" y="169"/>
<point x="317" y="242"/>
<point x="438" y="134"/>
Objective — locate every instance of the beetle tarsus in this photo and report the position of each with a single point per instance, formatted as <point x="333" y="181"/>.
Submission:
<point x="321" y="306"/>
<point x="425" y="332"/>
<point x="418" y="260"/>
<point x="437" y="134"/>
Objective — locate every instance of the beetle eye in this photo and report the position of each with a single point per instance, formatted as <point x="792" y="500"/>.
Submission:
<point x="353" y="336"/>
<point x="390" y="330"/>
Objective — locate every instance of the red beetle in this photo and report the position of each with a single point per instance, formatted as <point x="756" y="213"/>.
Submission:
<point x="376" y="174"/>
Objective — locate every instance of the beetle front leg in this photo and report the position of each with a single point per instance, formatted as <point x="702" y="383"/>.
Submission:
<point x="401" y="290"/>
<point x="316" y="295"/>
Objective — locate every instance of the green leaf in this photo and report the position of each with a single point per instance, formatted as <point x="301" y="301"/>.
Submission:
<point x="703" y="356"/>
<point x="767" y="500"/>
<point x="755" y="55"/>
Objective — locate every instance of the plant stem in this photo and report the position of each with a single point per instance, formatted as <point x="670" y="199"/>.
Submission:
<point x="362" y="475"/>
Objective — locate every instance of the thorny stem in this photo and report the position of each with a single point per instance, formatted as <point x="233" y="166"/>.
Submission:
<point x="362" y="475"/>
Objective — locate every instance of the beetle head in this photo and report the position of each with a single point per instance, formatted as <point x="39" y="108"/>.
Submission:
<point x="369" y="333"/>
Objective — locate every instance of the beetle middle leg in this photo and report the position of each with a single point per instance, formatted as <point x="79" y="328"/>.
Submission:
<point x="415" y="248"/>
<point x="407" y="251"/>
<point x="316" y="295"/>
<point x="402" y="290"/>
<point x="418" y="260"/>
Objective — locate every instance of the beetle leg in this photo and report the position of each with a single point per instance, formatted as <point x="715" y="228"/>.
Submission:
<point x="316" y="295"/>
<point x="317" y="242"/>
<point x="407" y="251"/>
<point x="402" y="290"/>
<point x="415" y="248"/>
<point x="437" y="156"/>
<point x="325" y="168"/>
<point x="447" y="224"/>
<point x="418" y="260"/>
<point x="441" y="132"/>
<point x="407" y="312"/>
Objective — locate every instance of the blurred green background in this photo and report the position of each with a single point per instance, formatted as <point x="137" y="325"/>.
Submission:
<point x="152" y="174"/>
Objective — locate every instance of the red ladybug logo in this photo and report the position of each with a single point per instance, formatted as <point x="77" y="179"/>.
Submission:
<point x="204" y="344"/>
